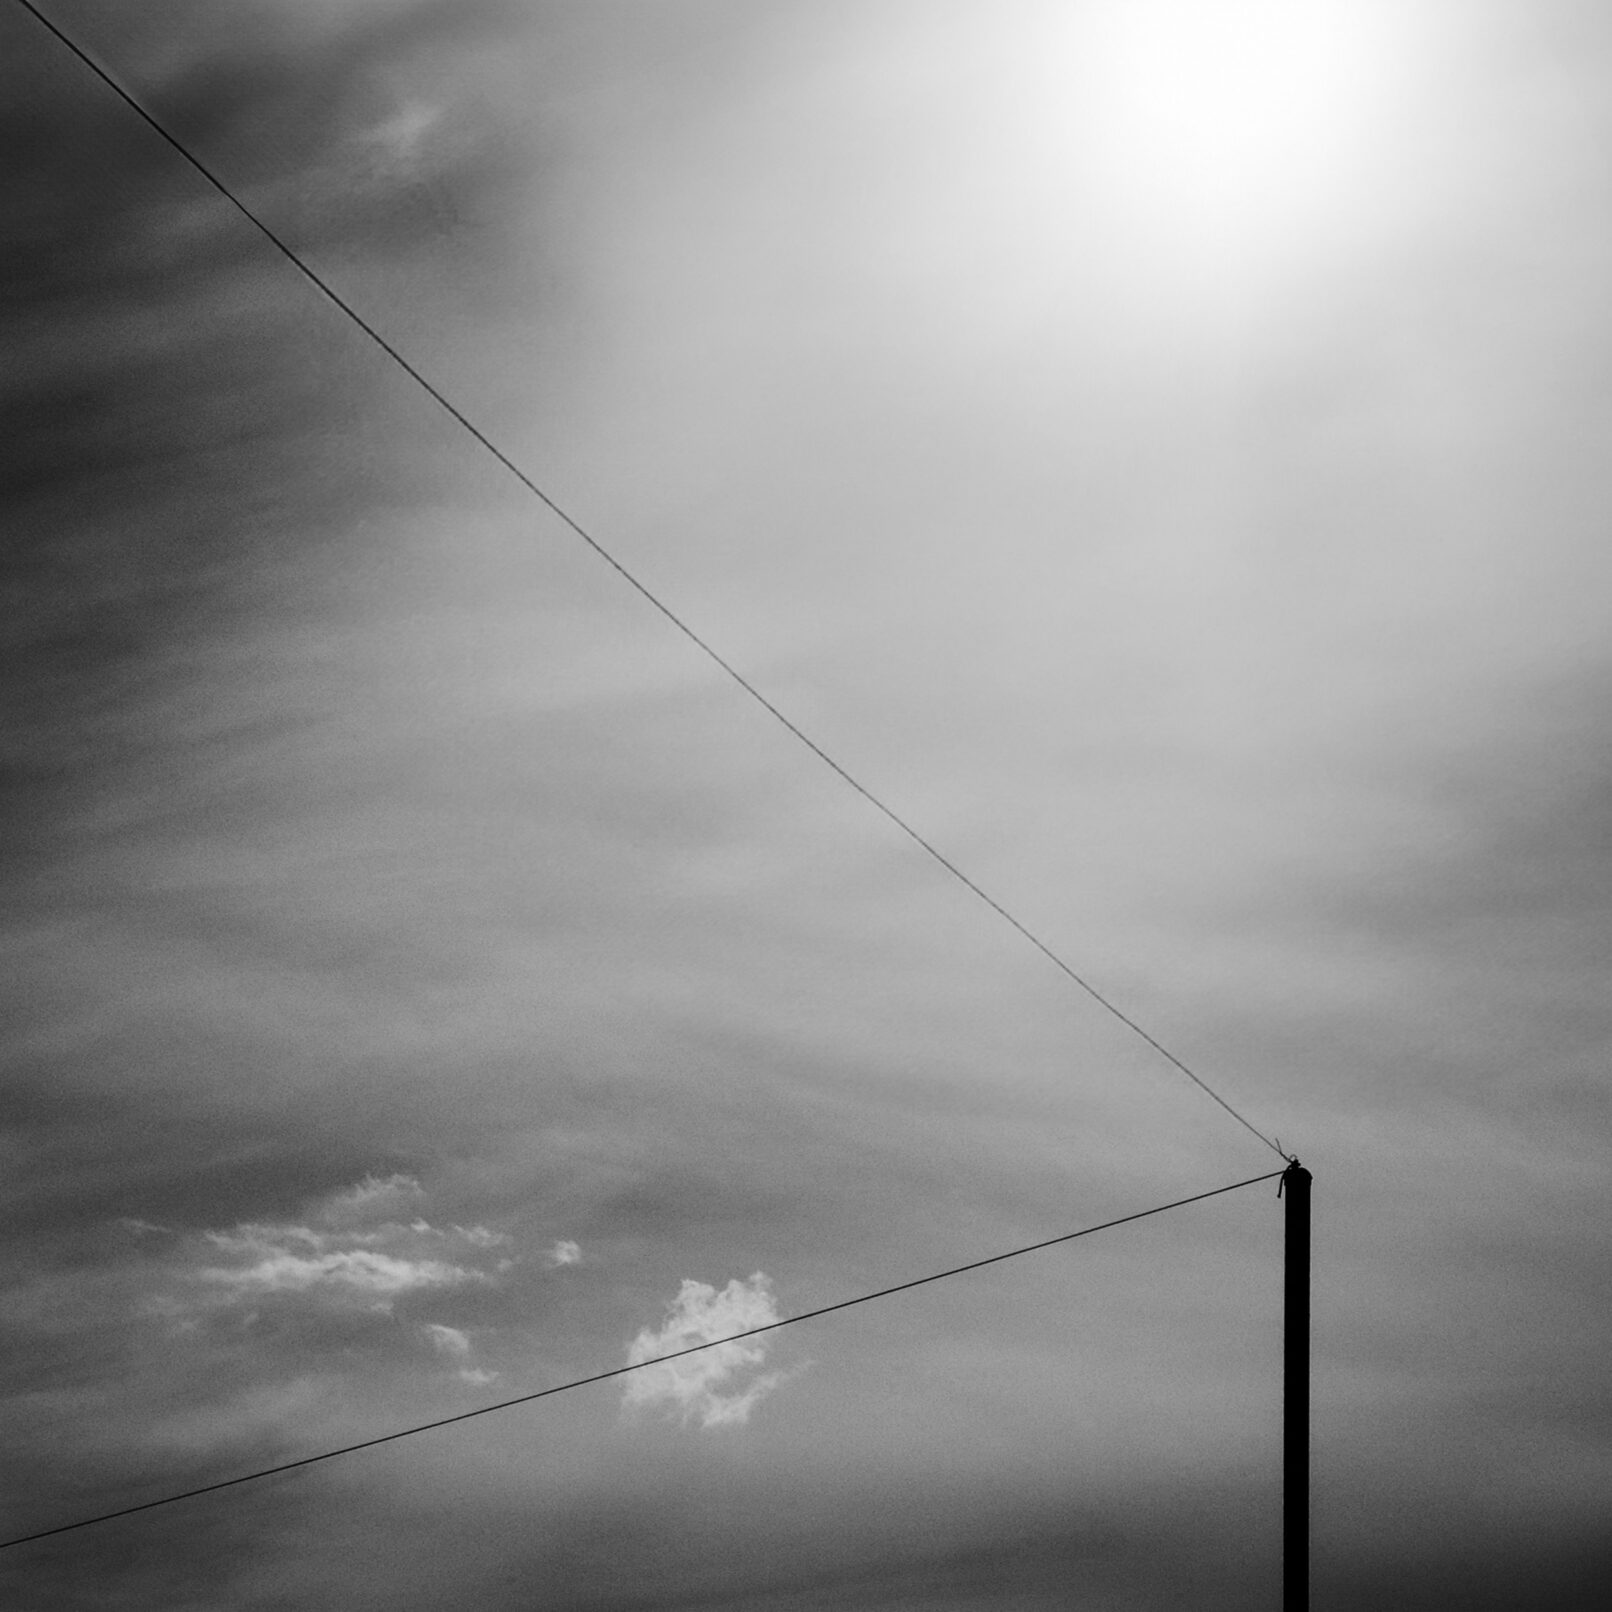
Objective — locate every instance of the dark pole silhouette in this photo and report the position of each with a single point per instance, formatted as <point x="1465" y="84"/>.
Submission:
<point x="1296" y="1392"/>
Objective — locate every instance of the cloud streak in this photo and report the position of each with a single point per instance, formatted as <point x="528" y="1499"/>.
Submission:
<point x="270" y="1259"/>
<point x="350" y="1252"/>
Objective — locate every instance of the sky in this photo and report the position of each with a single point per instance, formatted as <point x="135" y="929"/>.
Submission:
<point x="1158" y="448"/>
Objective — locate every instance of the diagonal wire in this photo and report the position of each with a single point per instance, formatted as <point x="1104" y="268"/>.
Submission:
<point x="639" y="1365"/>
<point x="458" y="415"/>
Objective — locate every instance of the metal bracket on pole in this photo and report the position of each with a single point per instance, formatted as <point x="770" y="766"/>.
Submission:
<point x="1295" y="1188"/>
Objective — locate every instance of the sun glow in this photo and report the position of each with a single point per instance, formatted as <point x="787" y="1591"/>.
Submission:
<point x="1241" y="131"/>
<point x="1139" y="171"/>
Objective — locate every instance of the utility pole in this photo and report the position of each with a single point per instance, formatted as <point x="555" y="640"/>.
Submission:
<point x="1295" y="1185"/>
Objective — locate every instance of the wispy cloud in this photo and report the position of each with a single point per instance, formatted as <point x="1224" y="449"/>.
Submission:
<point x="372" y="1196"/>
<point x="447" y="1340"/>
<point x="350" y="1248"/>
<point x="707" y="1386"/>
<point x="564" y="1252"/>
<point x="294" y="1259"/>
<point x="403" y="134"/>
<point x="455" y="1345"/>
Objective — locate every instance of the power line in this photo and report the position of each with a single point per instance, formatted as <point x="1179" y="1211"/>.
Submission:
<point x="640" y="1365"/>
<point x="456" y="414"/>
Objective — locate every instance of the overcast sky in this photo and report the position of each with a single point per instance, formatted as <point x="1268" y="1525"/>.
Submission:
<point x="1158" y="446"/>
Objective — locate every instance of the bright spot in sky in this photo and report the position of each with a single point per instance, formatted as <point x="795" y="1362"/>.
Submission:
<point x="1185" y="166"/>
<point x="1240" y="130"/>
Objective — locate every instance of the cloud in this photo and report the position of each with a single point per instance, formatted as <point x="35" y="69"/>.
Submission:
<point x="455" y="1345"/>
<point x="347" y="1251"/>
<point x="371" y="1196"/>
<point x="704" y="1386"/>
<point x="403" y="134"/>
<point x="270" y="1260"/>
<point x="446" y="1340"/>
<point x="479" y="1236"/>
<point x="564" y="1252"/>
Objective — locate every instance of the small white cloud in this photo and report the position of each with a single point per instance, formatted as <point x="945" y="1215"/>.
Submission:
<point x="453" y="1343"/>
<point x="564" y="1253"/>
<point x="480" y="1237"/>
<point x="371" y="1198"/>
<point x="143" y="1228"/>
<point x="447" y="1340"/>
<point x="706" y="1385"/>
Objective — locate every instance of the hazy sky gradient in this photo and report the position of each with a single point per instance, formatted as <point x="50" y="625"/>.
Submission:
<point x="1159" y="447"/>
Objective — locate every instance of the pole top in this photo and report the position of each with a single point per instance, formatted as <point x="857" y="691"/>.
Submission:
<point x="1296" y="1173"/>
